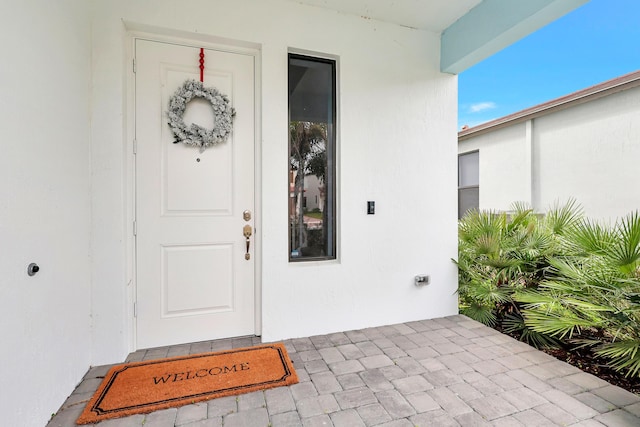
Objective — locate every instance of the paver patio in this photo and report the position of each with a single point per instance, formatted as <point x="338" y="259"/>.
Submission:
<point x="443" y="372"/>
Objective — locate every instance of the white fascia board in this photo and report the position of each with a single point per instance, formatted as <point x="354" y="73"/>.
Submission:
<point x="494" y="25"/>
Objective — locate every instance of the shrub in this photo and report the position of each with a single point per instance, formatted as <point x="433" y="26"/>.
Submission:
<point x="594" y="299"/>
<point x="557" y="279"/>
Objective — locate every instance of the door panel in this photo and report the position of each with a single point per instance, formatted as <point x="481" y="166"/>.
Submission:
<point x="193" y="281"/>
<point x="181" y="169"/>
<point x="187" y="272"/>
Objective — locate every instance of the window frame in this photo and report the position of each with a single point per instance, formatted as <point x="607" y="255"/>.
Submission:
<point x="467" y="187"/>
<point x="332" y="149"/>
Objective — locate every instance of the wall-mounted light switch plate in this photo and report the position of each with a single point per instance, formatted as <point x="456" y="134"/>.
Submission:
<point x="371" y="207"/>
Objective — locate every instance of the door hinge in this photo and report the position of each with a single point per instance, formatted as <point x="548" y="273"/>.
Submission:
<point x="135" y="309"/>
<point x="135" y="228"/>
<point x="135" y="146"/>
<point x="134" y="65"/>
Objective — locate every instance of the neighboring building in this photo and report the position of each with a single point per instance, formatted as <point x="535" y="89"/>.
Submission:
<point x="313" y="194"/>
<point x="583" y="146"/>
<point x="142" y="242"/>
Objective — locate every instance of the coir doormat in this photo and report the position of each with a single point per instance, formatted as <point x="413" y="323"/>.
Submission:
<point x="142" y="387"/>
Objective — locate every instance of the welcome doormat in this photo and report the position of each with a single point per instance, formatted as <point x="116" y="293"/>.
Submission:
<point x="142" y="387"/>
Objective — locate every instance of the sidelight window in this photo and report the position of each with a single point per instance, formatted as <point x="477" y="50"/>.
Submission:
<point x="312" y="169"/>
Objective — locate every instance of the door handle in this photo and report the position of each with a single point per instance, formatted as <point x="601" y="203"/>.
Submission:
<point x="247" y="231"/>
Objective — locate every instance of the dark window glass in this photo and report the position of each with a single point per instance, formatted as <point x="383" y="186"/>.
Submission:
<point x="312" y="118"/>
<point x="468" y="182"/>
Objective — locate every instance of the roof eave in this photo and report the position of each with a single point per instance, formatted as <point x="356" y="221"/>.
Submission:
<point x="601" y="90"/>
<point x="493" y="25"/>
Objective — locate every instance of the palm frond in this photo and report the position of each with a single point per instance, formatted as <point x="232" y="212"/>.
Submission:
<point x="566" y="269"/>
<point x="488" y="292"/>
<point x="624" y="355"/>
<point x="574" y="288"/>
<point x="481" y="313"/>
<point x="487" y="244"/>
<point x="626" y="250"/>
<point x="501" y="263"/>
<point x="521" y="216"/>
<point x="585" y="343"/>
<point x="558" y="325"/>
<point x="538" y="300"/>
<point x="560" y="219"/>
<point x="480" y="223"/>
<point x="536" y="244"/>
<point x="592" y="237"/>
<point x="521" y="206"/>
<point x="515" y="324"/>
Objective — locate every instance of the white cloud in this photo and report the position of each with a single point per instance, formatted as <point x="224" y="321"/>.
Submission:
<point x="481" y="106"/>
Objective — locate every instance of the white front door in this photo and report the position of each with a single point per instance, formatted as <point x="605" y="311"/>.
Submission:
<point x="194" y="282"/>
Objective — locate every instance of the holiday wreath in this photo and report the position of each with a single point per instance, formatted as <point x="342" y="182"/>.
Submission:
<point x="194" y="134"/>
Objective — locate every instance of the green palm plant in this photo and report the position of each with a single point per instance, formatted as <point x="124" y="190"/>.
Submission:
<point x="592" y="297"/>
<point x="557" y="279"/>
<point x="501" y="255"/>
<point x="561" y="219"/>
<point x="483" y="269"/>
<point x="498" y="255"/>
<point x="515" y="324"/>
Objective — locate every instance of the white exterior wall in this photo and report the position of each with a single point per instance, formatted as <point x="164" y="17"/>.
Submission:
<point x="503" y="179"/>
<point x="312" y="193"/>
<point x="588" y="152"/>
<point x="44" y="206"/>
<point x="397" y="114"/>
<point x="67" y="180"/>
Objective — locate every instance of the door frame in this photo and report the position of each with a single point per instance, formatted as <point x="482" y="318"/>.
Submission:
<point x="140" y="31"/>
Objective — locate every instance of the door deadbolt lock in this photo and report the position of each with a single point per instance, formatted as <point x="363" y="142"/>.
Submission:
<point x="246" y="215"/>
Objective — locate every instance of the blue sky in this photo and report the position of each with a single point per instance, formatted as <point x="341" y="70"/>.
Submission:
<point x="594" y="43"/>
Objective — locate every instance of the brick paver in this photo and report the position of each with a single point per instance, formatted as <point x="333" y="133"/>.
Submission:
<point x="441" y="372"/>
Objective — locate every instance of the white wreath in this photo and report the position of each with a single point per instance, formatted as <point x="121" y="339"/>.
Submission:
<point x="197" y="135"/>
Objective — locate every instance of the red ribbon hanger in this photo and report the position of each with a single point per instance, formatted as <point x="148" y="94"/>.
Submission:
<point x="202" y="65"/>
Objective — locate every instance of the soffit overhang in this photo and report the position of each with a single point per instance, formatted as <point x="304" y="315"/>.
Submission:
<point x="471" y="30"/>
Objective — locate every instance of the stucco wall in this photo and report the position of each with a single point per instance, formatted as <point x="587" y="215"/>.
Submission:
<point x="588" y="152"/>
<point x="44" y="206"/>
<point x="502" y="177"/>
<point x="397" y="117"/>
